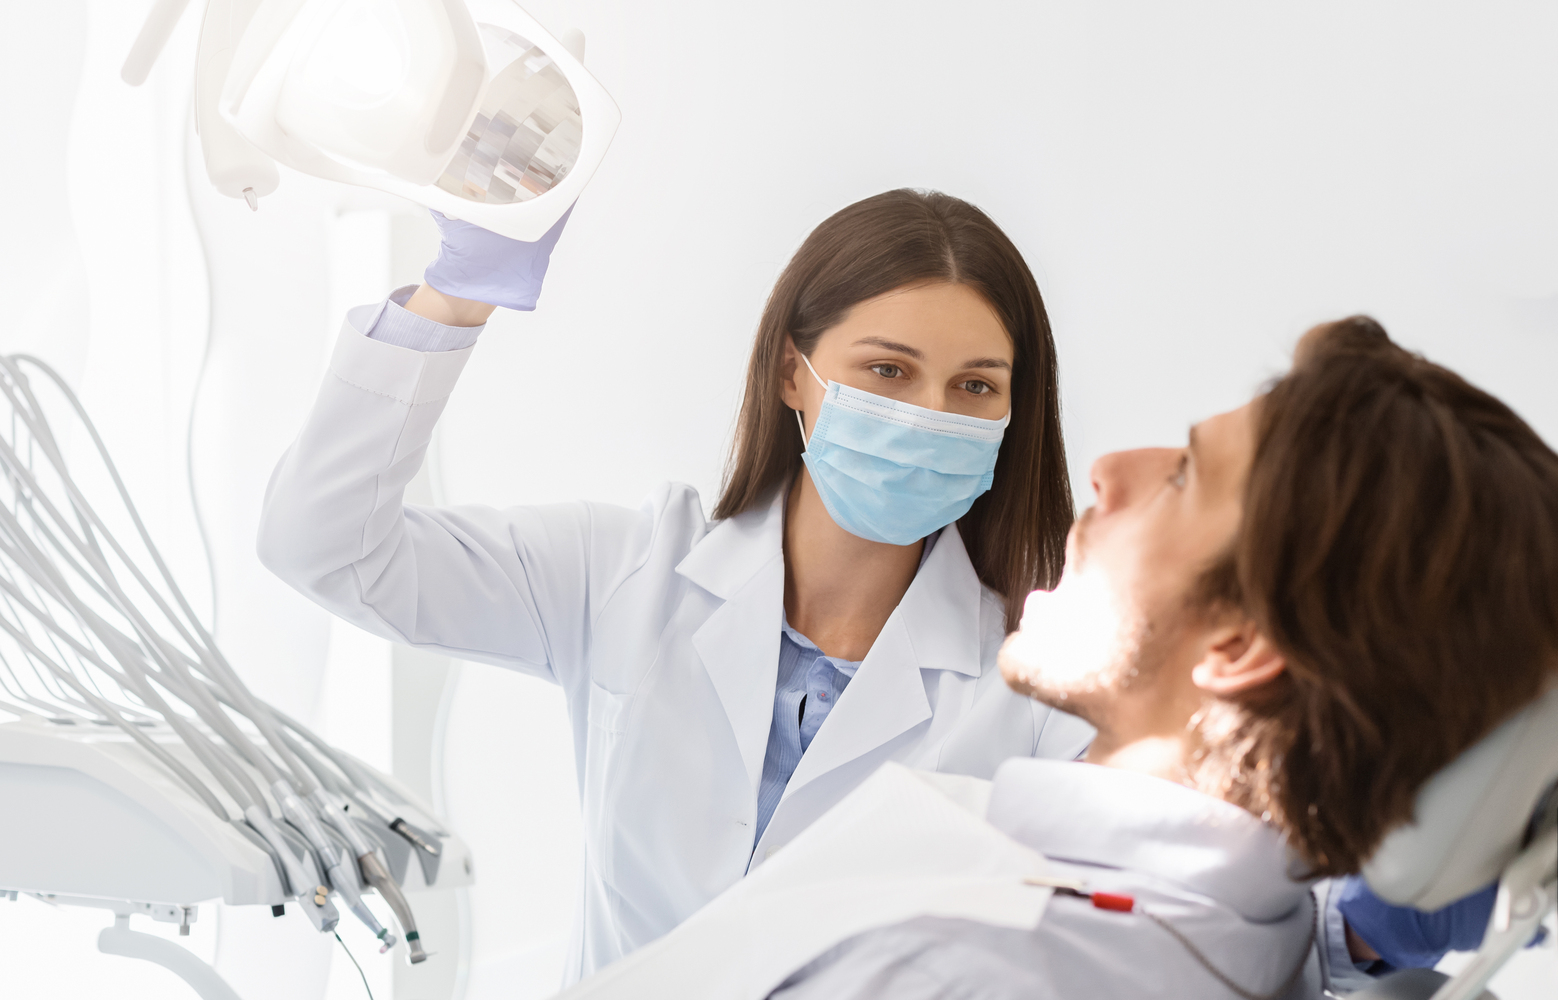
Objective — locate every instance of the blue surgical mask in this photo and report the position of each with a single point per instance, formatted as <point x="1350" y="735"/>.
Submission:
<point x="894" y="472"/>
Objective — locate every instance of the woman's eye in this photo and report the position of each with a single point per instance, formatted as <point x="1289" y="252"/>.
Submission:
<point x="887" y="371"/>
<point x="977" y="387"/>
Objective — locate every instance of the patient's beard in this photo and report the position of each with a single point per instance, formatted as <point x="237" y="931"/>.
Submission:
<point x="1081" y="645"/>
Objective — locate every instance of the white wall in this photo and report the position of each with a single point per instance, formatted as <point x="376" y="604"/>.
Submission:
<point x="1193" y="183"/>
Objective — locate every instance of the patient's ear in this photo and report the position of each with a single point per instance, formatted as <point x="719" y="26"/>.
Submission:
<point x="1239" y="659"/>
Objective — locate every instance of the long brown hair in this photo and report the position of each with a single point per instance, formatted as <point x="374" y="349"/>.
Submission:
<point x="1015" y="533"/>
<point x="1399" y="545"/>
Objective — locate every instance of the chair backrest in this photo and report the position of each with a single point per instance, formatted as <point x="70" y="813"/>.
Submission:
<point x="1471" y="818"/>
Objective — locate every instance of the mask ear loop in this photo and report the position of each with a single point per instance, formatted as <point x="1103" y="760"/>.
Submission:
<point x="798" y="421"/>
<point x="813" y="371"/>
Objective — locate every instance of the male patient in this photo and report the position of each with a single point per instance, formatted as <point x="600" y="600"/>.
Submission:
<point x="1280" y="631"/>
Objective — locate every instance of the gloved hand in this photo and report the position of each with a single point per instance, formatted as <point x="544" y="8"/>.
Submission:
<point x="476" y="264"/>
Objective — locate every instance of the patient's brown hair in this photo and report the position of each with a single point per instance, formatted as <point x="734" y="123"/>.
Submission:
<point x="1400" y="546"/>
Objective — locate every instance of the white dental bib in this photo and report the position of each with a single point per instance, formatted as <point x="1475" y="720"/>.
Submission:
<point x="905" y="844"/>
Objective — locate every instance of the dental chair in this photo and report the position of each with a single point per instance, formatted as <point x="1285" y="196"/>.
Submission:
<point x="1490" y="815"/>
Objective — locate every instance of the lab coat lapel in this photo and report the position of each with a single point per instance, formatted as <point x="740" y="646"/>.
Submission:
<point x="934" y="627"/>
<point x="742" y="562"/>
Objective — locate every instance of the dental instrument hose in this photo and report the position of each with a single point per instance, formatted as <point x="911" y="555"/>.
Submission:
<point x="109" y="642"/>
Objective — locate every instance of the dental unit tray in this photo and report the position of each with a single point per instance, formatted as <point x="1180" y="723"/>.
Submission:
<point x="105" y="820"/>
<point x="137" y="771"/>
<point x="94" y="821"/>
<point x="469" y="107"/>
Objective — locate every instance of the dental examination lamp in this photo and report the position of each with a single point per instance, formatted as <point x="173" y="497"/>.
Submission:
<point x="137" y="771"/>
<point x="469" y="107"/>
<point x="1491" y="815"/>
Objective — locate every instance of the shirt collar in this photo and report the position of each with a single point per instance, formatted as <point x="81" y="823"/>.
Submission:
<point x="1072" y="811"/>
<point x="845" y="667"/>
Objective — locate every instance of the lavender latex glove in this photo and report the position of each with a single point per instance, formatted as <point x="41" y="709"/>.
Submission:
<point x="482" y="266"/>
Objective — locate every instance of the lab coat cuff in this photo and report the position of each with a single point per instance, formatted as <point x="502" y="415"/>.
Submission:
<point x="1342" y="974"/>
<point x="405" y="375"/>
<point x="391" y="323"/>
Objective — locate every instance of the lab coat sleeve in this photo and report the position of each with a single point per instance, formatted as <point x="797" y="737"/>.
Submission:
<point x="517" y="587"/>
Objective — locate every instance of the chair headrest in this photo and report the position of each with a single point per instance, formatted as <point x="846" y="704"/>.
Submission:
<point x="1471" y="818"/>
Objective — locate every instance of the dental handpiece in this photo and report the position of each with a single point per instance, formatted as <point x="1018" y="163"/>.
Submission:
<point x="312" y="896"/>
<point x="342" y="880"/>
<point x="406" y="830"/>
<point x="333" y="808"/>
<point x="375" y="874"/>
<point x="378" y="876"/>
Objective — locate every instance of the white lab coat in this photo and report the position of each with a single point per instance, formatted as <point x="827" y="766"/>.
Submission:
<point x="662" y="628"/>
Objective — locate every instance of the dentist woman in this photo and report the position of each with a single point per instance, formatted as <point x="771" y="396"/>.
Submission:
<point x="896" y="487"/>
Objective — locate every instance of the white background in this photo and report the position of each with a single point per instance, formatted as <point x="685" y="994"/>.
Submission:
<point x="1193" y="183"/>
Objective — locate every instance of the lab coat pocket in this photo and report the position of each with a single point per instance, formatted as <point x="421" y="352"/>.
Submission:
<point x="609" y="710"/>
<point x="608" y="722"/>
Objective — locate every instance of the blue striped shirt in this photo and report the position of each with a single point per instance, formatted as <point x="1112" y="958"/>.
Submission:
<point x="810" y="682"/>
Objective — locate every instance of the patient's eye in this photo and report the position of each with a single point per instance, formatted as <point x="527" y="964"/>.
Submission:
<point x="888" y="371"/>
<point x="1177" y="480"/>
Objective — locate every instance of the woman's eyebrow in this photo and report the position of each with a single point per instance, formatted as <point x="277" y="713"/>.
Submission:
<point x="919" y="355"/>
<point x="893" y="345"/>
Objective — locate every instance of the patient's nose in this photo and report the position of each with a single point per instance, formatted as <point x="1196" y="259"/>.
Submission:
<point x="1121" y="477"/>
<point x="1108" y="480"/>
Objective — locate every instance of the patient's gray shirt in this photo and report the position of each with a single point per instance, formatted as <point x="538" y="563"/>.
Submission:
<point x="1208" y="872"/>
